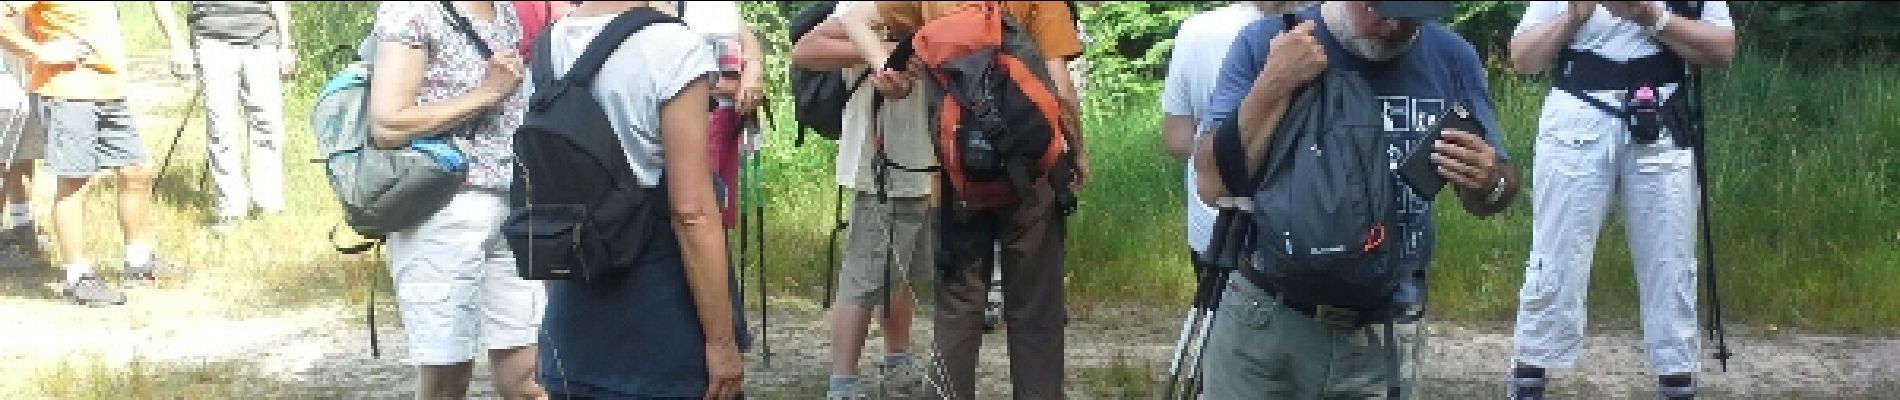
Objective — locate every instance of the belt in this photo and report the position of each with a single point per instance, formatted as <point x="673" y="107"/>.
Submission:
<point x="1333" y="316"/>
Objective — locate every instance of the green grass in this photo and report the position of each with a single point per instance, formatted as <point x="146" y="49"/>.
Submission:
<point x="1801" y="175"/>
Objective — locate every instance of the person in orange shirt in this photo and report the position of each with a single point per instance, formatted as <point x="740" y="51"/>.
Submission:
<point x="77" y="51"/>
<point x="1031" y="233"/>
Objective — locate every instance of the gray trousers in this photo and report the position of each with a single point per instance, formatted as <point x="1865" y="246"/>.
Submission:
<point x="1259" y="348"/>
<point x="244" y="94"/>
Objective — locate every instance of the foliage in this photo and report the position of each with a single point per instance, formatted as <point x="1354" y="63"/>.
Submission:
<point x="1801" y="167"/>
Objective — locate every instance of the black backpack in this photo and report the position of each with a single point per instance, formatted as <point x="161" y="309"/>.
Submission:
<point x="818" y="96"/>
<point x="577" y="210"/>
<point x="1324" y="202"/>
<point x="1320" y="210"/>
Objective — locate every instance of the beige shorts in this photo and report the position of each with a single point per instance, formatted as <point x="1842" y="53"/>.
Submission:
<point x="456" y="284"/>
<point x="862" y="280"/>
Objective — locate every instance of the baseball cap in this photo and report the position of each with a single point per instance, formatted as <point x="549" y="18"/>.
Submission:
<point x="1419" y="10"/>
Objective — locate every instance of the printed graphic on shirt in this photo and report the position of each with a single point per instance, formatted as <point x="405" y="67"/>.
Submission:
<point x="1407" y="120"/>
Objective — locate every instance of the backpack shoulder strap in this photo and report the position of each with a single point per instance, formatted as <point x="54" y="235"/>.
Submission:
<point x="1230" y="156"/>
<point x="460" y="23"/>
<point x="609" y="39"/>
<point x="540" y="63"/>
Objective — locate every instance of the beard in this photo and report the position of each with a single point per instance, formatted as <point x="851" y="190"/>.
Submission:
<point x="1338" y="20"/>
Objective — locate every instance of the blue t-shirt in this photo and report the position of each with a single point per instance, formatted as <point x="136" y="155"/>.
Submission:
<point x="1413" y="90"/>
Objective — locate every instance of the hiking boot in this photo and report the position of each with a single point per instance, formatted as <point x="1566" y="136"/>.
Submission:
<point x="1675" y="387"/>
<point x="92" y="292"/>
<point x="136" y="276"/>
<point x="1527" y="384"/>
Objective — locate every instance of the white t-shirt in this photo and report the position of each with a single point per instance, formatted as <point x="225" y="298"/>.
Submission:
<point x="1192" y="71"/>
<point x="906" y="136"/>
<point x="650" y="68"/>
<point x="1613" y="38"/>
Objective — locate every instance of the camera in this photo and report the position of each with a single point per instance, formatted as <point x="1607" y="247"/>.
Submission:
<point x="1644" y="118"/>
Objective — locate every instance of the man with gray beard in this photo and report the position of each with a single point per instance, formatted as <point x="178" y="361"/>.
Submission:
<point x="1263" y="344"/>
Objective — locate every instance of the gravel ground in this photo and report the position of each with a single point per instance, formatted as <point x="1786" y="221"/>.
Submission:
<point x="322" y="352"/>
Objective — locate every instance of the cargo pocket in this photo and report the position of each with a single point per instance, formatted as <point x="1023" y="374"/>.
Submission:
<point x="429" y="308"/>
<point x="1540" y="282"/>
<point x="1569" y="140"/>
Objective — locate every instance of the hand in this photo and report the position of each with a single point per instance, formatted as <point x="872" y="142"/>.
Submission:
<point x="1641" y="12"/>
<point x="1580" y="10"/>
<point x="1296" y="55"/>
<point x="750" y="95"/>
<point x="288" y="56"/>
<point x="1466" y="160"/>
<point x="725" y="370"/>
<point x="892" y="84"/>
<point x="183" y="63"/>
<point x="503" y="74"/>
<point x="67" y="51"/>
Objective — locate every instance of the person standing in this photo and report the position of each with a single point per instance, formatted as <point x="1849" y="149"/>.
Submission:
<point x="242" y="51"/>
<point x="1601" y="53"/>
<point x="78" y="51"/>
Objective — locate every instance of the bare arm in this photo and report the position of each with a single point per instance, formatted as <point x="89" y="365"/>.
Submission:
<point x="1697" y="42"/>
<point x="857" y="27"/>
<point x="1258" y="115"/>
<point x="16" y="41"/>
<point x="754" y="52"/>
<point x="827" y="47"/>
<point x="1535" y="50"/>
<point x="394" y="84"/>
<point x="1177" y="135"/>
<point x="1475" y="200"/>
<point x="695" y="213"/>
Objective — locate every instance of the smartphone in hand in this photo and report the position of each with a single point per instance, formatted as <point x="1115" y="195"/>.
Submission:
<point x="1417" y="169"/>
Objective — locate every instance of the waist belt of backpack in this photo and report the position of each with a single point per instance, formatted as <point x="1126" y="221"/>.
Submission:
<point x="1343" y="317"/>
<point x="1580" y="72"/>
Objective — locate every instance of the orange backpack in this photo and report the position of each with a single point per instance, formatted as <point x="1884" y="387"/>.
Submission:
<point x="994" y="112"/>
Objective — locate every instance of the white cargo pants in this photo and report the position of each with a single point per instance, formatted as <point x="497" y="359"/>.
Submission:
<point x="1586" y="161"/>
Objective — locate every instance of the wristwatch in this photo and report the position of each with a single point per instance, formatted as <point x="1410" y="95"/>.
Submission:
<point x="1497" y="192"/>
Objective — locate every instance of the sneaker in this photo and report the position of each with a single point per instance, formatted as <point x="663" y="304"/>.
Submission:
<point x="852" y="391"/>
<point x="136" y="276"/>
<point x="1527" y="385"/>
<point x="1675" y="387"/>
<point x="92" y="292"/>
<point x="904" y="380"/>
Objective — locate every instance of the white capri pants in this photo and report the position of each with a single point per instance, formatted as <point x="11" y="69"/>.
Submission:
<point x="1584" y="162"/>
<point x="456" y="284"/>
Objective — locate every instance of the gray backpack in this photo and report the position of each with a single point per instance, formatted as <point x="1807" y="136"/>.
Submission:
<point x="383" y="190"/>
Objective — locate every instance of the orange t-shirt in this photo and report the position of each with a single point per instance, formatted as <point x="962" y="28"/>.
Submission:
<point x="1047" y="22"/>
<point x="94" y="23"/>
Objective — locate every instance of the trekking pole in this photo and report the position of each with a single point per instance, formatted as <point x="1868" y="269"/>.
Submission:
<point x="184" y="121"/>
<point x="758" y="205"/>
<point x="1700" y="149"/>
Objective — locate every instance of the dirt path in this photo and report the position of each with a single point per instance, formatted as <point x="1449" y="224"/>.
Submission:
<point x="321" y="350"/>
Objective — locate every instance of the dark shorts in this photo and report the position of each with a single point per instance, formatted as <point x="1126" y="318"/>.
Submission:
<point x="87" y="136"/>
